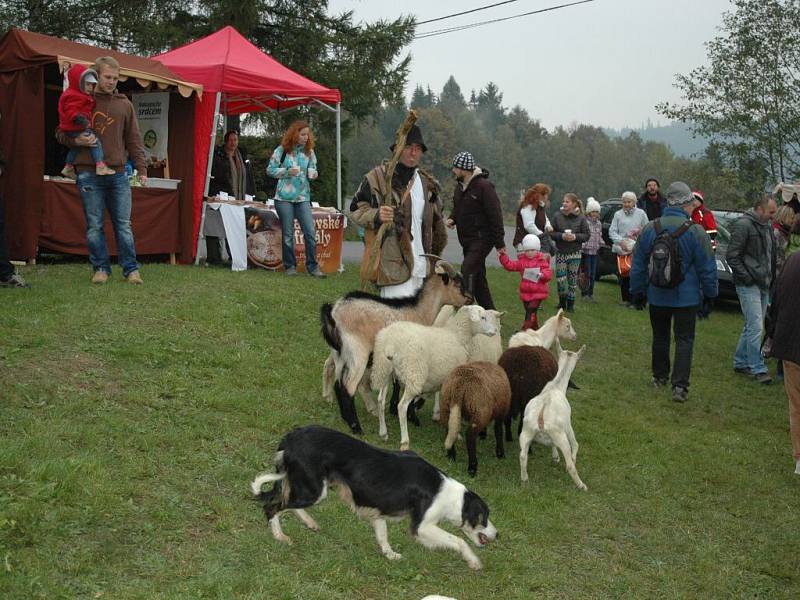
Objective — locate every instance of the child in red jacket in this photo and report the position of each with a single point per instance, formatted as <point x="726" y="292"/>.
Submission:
<point x="534" y="266"/>
<point x="75" y="108"/>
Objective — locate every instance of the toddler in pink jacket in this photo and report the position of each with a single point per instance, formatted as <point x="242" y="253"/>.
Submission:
<point x="534" y="266"/>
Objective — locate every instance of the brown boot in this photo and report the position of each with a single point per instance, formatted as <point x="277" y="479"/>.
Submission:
<point x="103" y="169"/>
<point x="134" y="277"/>
<point x="99" y="277"/>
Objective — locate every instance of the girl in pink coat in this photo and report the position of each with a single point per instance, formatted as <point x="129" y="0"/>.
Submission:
<point x="534" y="266"/>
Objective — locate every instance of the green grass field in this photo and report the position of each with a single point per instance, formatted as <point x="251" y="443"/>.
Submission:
<point x="132" y="420"/>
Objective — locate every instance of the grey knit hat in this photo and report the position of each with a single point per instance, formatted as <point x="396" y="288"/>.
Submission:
<point x="464" y="160"/>
<point x="679" y="194"/>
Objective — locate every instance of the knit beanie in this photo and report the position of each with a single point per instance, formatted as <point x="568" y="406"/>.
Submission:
<point x="531" y="242"/>
<point x="679" y="194"/>
<point x="592" y="205"/>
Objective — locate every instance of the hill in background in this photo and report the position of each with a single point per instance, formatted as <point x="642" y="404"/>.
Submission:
<point x="676" y="135"/>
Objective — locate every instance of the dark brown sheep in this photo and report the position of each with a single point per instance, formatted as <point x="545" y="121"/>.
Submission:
<point x="481" y="391"/>
<point x="528" y="369"/>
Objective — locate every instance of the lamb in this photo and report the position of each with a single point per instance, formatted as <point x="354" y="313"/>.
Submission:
<point x="548" y="419"/>
<point x="556" y="326"/>
<point x="420" y="357"/>
<point x="488" y="348"/>
<point x="480" y="390"/>
<point x="528" y="369"/>
<point x="350" y="325"/>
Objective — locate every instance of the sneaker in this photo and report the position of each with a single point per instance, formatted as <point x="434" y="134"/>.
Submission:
<point x="103" y="169"/>
<point x="14" y="281"/>
<point x="69" y="172"/>
<point x="291" y="271"/>
<point x="135" y="278"/>
<point x="797" y="467"/>
<point x="99" y="277"/>
<point x="680" y="394"/>
<point x="659" y="381"/>
<point x="317" y="273"/>
<point x="742" y="370"/>
<point x="763" y="378"/>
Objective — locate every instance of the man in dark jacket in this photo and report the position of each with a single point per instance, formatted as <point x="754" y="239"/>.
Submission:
<point x="478" y="217"/>
<point x="751" y="257"/>
<point x="230" y="170"/>
<point x="681" y="303"/>
<point x="652" y="201"/>
<point x="783" y="328"/>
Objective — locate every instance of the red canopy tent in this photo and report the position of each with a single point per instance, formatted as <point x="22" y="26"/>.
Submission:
<point x="239" y="78"/>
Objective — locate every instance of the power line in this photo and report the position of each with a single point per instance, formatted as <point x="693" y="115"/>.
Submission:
<point x="481" y="23"/>
<point x="466" y="12"/>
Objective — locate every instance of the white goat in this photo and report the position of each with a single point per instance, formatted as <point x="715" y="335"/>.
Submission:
<point x="420" y="357"/>
<point x="548" y="419"/>
<point x="556" y="326"/>
<point x="350" y="325"/>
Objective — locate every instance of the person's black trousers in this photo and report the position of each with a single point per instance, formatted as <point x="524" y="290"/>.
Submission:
<point x="6" y="268"/>
<point x="682" y="320"/>
<point x="474" y="271"/>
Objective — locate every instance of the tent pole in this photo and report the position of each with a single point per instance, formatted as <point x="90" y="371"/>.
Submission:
<point x="339" y="156"/>
<point x="201" y="238"/>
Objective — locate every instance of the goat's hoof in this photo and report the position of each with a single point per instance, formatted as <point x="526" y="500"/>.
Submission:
<point x="500" y="453"/>
<point x="403" y="446"/>
<point x="582" y="487"/>
<point x="451" y="454"/>
<point x="285" y="539"/>
<point x="482" y="434"/>
<point x="475" y="565"/>
<point x="472" y="471"/>
<point x="384" y="436"/>
<point x="356" y="429"/>
<point x="392" y="555"/>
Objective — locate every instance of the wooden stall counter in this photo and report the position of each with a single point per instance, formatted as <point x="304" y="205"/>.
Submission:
<point x="155" y="215"/>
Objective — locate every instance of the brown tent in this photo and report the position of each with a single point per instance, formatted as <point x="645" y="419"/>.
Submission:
<point x="47" y="214"/>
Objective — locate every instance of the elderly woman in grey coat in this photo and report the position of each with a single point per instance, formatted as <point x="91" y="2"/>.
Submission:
<point x="626" y="226"/>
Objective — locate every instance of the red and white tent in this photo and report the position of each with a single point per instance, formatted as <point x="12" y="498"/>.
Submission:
<point x="239" y="78"/>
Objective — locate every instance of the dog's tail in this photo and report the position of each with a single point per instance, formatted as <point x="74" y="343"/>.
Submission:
<point x="260" y="480"/>
<point x="329" y="331"/>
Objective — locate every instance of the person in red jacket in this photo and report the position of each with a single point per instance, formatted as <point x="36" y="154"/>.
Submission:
<point x="75" y="108"/>
<point x="534" y="266"/>
<point x="704" y="217"/>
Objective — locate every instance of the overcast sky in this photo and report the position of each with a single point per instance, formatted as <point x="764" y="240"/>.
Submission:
<point x="605" y="63"/>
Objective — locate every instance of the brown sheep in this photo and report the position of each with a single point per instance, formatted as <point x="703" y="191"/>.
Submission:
<point x="528" y="369"/>
<point x="481" y="390"/>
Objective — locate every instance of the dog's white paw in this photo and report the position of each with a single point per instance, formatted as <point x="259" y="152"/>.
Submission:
<point x="392" y="555"/>
<point x="475" y="564"/>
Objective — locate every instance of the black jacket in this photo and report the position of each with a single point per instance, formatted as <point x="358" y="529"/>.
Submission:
<point x="751" y="251"/>
<point x="221" y="173"/>
<point x="653" y="209"/>
<point x="783" y="326"/>
<point x="477" y="212"/>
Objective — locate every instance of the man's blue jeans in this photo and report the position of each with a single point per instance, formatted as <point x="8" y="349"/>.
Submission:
<point x="113" y="193"/>
<point x="288" y="212"/>
<point x="753" y="301"/>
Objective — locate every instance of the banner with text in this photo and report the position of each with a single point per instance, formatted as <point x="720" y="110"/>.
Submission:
<point x="152" y="113"/>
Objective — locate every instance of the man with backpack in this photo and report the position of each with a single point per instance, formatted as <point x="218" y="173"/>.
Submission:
<point x="674" y="265"/>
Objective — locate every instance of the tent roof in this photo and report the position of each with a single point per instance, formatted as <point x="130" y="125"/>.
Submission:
<point x="252" y="81"/>
<point x="19" y="49"/>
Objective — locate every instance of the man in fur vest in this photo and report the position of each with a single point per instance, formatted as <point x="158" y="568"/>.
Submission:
<point x="478" y="217"/>
<point x="417" y="218"/>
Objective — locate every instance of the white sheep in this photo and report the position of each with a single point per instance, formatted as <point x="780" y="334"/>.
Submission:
<point x="482" y="348"/>
<point x="548" y="419"/>
<point x="420" y="357"/>
<point x="556" y="326"/>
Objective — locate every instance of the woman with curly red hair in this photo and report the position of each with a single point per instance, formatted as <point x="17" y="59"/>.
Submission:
<point x="294" y="164"/>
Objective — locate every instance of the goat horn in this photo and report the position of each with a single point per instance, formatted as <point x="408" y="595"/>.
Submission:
<point x="440" y="265"/>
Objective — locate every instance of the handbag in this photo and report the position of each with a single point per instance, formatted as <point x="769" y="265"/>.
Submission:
<point x="624" y="262"/>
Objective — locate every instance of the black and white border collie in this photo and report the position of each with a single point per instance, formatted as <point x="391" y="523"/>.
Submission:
<point x="378" y="485"/>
